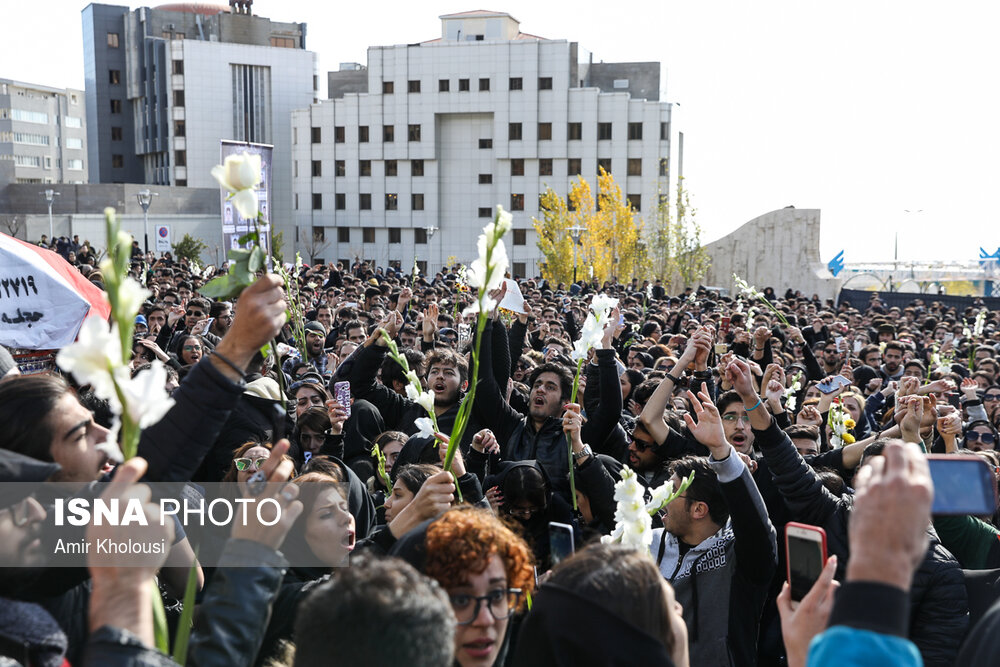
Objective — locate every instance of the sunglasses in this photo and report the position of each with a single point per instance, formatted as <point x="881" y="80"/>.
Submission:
<point x="192" y="348"/>
<point x="250" y="464"/>
<point x="991" y="397"/>
<point x="986" y="438"/>
<point x="295" y="385"/>
<point x="642" y="445"/>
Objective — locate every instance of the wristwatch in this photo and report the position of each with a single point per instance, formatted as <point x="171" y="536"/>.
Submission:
<point x="583" y="453"/>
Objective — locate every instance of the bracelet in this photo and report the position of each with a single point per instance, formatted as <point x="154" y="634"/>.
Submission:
<point x="673" y="379"/>
<point x="229" y="363"/>
<point x="756" y="405"/>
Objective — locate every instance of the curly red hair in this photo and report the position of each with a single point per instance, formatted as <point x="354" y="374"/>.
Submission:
<point x="462" y="541"/>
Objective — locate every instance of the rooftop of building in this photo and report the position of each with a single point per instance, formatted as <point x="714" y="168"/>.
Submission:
<point x="204" y="8"/>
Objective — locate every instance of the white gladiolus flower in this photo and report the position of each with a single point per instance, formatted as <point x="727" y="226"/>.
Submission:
<point x="146" y="397"/>
<point x="504" y="221"/>
<point x="424" y="399"/>
<point x="487" y="304"/>
<point x="131" y="296"/>
<point x="412" y="378"/>
<point x="649" y="291"/>
<point x="91" y="357"/>
<point x="977" y="328"/>
<point x="240" y="174"/>
<point x="660" y="496"/>
<point x="425" y="427"/>
<point x="602" y="304"/>
<point x="110" y="446"/>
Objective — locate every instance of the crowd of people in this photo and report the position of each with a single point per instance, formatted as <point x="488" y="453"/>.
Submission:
<point x="793" y="409"/>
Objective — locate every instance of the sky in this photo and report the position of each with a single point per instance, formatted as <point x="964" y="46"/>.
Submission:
<point x="864" y="110"/>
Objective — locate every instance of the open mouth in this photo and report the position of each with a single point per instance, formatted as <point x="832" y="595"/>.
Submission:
<point x="480" y="648"/>
<point x="739" y="440"/>
<point x="349" y="540"/>
<point x="538" y="401"/>
<point x="439" y="387"/>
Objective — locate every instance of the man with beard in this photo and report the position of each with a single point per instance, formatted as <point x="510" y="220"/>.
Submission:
<point x="892" y="361"/>
<point x="447" y="377"/>
<point x="315" y="340"/>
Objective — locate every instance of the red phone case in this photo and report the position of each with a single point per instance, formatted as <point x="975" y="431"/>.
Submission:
<point x="788" y="559"/>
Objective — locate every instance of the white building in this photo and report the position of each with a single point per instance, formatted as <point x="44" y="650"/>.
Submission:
<point x="43" y="134"/>
<point x="449" y="128"/>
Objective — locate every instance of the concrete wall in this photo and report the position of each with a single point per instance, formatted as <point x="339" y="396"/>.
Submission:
<point x="643" y="79"/>
<point x="340" y="83"/>
<point x="779" y="249"/>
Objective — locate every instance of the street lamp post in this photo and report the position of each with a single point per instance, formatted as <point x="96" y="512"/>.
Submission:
<point x="50" y="196"/>
<point x="430" y="234"/>
<point x="576" y="231"/>
<point x="145" y="198"/>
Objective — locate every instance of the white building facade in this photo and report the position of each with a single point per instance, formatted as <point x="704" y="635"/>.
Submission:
<point x="485" y="115"/>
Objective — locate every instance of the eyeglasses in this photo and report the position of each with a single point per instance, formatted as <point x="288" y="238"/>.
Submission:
<point x="522" y="512"/>
<point x="501" y="603"/>
<point x="306" y="400"/>
<point x="986" y="438"/>
<point x="194" y="313"/>
<point x="736" y="418"/>
<point x="992" y="397"/>
<point x="642" y="445"/>
<point x="250" y="464"/>
<point x="192" y="348"/>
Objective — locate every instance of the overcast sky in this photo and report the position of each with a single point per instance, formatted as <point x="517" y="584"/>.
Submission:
<point x="861" y="109"/>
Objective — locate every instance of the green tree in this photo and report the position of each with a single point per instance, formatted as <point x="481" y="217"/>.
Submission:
<point x="278" y="246"/>
<point x="676" y="254"/>
<point x="190" y="248"/>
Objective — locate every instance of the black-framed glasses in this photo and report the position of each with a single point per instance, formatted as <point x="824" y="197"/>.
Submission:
<point x="244" y="463"/>
<point x="985" y="438"/>
<point x="501" y="602"/>
<point x="523" y="512"/>
<point x="993" y="398"/>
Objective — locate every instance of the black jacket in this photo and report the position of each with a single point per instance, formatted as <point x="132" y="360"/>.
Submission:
<point x="938" y="600"/>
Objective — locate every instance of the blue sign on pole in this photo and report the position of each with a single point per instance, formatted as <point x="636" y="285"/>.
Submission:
<point x="985" y="257"/>
<point x="836" y="264"/>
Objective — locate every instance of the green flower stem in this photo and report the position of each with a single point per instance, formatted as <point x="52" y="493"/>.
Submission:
<point x="187" y="614"/>
<point x="569" y="443"/>
<point x="383" y="476"/>
<point x="161" y="634"/>
<point x="774" y="310"/>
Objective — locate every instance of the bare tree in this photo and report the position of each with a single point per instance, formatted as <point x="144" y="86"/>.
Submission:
<point x="315" y="243"/>
<point x="11" y="225"/>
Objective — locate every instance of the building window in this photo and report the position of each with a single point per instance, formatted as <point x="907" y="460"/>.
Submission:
<point x="73" y="163"/>
<point x="485" y="179"/>
<point x="388" y="88"/>
<point x="295" y="168"/>
<point x="463" y="85"/>
<point x="519" y="269"/>
<point x="339" y="168"/>
<point x="664" y="166"/>
<point x="516" y="83"/>
<point x="116" y="133"/>
<point x="343" y="235"/>
<point x="574" y="166"/>
<point x="368" y="235"/>
<point x="71" y="121"/>
<point x="317" y="134"/>
<point x="319" y="234"/>
<point x="419" y="235"/>
<point x="416" y="167"/>
<point x="520" y="237"/>
<point x="317" y="201"/>
<point x="545" y="166"/>
<point x="388" y="133"/>
<point x="364" y="167"/>
<point x="574" y="131"/>
<point x="317" y="168"/>
<point x="180" y="130"/>
<point x="570" y="204"/>
<point x="413" y="133"/>
<point x="180" y="158"/>
<point x="114" y="76"/>
<point x="517" y="202"/>
<point x="252" y="103"/>
<point x="362" y="134"/>
<point x="178" y="98"/>
<point x="365" y="201"/>
<point x="391" y="201"/>
<point x="635" y="130"/>
<point x="422" y="265"/>
<point x="635" y="201"/>
<point x="113" y="40"/>
<point x="544" y="131"/>
<point x="664" y="131"/>
<point x="545" y="83"/>
<point x="484" y="84"/>
<point x="603" y="131"/>
<point x="28" y="160"/>
<point x="73" y="142"/>
<point x="444" y="85"/>
<point x="413" y="86"/>
<point x="338" y="134"/>
<point x="391" y="168"/>
<point x="634" y="166"/>
<point x="178" y="66"/>
<point x="486" y="143"/>
<point x="340" y="201"/>
<point x="395" y="235"/>
<point x="517" y="167"/>
<point x="296" y="207"/>
<point x="485" y="212"/>
<point x="417" y="202"/>
<point x="605" y="164"/>
<point x="283" y="42"/>
<point x="117" y="161"/>
<point x="514" y="131"/>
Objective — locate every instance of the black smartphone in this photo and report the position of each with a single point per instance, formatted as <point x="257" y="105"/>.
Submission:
<point x="963" y="484"/>
<point x="560" y="541"/>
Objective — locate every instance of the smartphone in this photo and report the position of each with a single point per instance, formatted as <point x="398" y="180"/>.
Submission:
<point x="805" y="548"/>
<point x="208" y="324"/>
<point x="724" y="327"/>
<point x="351" y="304"/>
<point x="963" y="484"/>
<point x="342" y="392"/>
<point x="560" y="541"/>
<point x="835" y="383"/>
<point x="857" y="346"/>
<point x="839" y="342"/>
<point x="948" y="337"/>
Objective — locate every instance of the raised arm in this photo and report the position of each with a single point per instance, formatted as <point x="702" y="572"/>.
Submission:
<point x="651" y="416"/>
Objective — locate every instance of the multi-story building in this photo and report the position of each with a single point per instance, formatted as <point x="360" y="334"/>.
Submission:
<point x="165" y="85"/>
<point x="411" y="154"/>
<point x="43" y="134"/>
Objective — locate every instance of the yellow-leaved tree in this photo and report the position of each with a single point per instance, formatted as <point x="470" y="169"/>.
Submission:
<point x="611" y="239"/>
